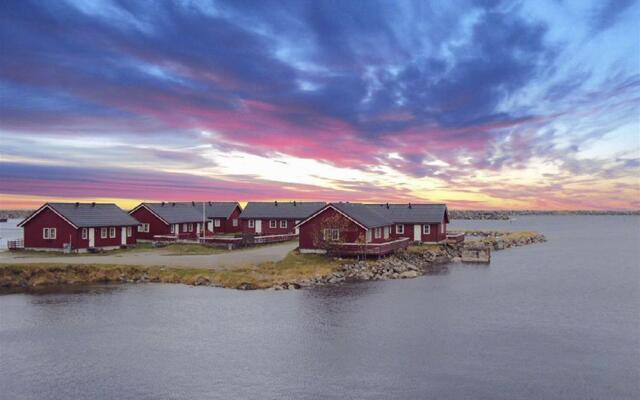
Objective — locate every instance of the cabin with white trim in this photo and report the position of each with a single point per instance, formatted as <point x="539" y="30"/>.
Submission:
<point x="78" y="227"/>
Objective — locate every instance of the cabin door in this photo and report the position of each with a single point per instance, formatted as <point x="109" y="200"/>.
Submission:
<point x="92" y="237"/>
<point x="297" y="229"/>
<point x="123" y="236"/>
<point x="258" y="226"/>
<point x="417" y="233"/>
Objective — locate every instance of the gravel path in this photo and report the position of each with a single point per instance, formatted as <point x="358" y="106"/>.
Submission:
<point x="236" y="258"/>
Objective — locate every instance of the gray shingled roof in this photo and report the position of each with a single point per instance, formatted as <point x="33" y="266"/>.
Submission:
<point x="288" y="210"/>
<point x="86" y="215"/>
<point x="214" y="209"/>
<point x="368" y="216"/>
<point x="414" y="213"/>
<point x="176" y="213"/>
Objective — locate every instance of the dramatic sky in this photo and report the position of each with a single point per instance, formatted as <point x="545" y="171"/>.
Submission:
<point x="480" y="104"/>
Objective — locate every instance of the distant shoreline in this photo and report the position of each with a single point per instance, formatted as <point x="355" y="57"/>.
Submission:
<point x="453" y="213"/>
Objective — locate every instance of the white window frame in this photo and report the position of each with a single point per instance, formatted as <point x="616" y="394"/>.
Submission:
<point x="386" y="232"/>
<point x="368" y="236"/>
<point x="426" y="229"/>
<point x="146" y="227"/>
<point x="331" y="235"/>
<point x="190" y="228"/>
<point x="235" y="222"/>
<point x="252" y="223"/>
<point x="49" y="233"/>
<point x="216" y="223"/>
<point x="129" y="231"/>
<point x="112" y="232"/>
<point x="172" y="228"/>
<point x="53" y="233"/>
<point x="141" y="228"/>
<point x="283" y="223"/>
<point x="103" y="233"/>
<point x="377" y="233"/>
<point x="184" y="228"/>
<point x="273" y="223"/>
<point x="441" y="228"/>
<point x="400" y="229"/>
<point x="85" y="233"/>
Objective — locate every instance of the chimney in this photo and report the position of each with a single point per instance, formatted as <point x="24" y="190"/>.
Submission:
<point x="276" y="203"/>
<point x="93" y="204"/>
<point x="77" y="204"/>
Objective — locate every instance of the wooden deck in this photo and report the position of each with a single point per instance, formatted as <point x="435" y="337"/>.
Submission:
<point x="362" y="249"/>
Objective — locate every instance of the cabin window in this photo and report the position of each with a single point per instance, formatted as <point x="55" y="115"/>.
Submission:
<point x="331" y="235"/>
<point x="273" y="223"/>
<point x="400" y="229"/>
<point x="173" y="228"/>
<point x="190" y="228"/>
<point x="184" y="228"/>
<point x="48" y="233"/>
<point x="368" y="236"/>
<point x="252" y="223"/>
<point x="386" y="232"/>
<point x="216" y="223"/>
<point x="283" y="223"/>
<point x="377" y="233"/>
<point x="141" y="228"/>
<point x="84" y="233"/>
<point x="146" y="227"/>
<point x="235" y="222"/>
<point x="129" y="231"/>
<point x="426" y="229"/>
<point x="103" y="233"/>
<point x="112" y="232"/>
<point x="441" y="228"/>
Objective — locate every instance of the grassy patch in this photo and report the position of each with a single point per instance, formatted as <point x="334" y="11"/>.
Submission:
<point x="292" y="268"/>
<point x="425" y="248"/>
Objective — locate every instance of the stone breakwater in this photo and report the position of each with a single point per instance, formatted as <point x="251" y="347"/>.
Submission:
<point x="418" y="260"/>
<point x="413" y="262"/>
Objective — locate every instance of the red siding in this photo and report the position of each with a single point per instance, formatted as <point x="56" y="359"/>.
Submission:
<point x="311" y="233"/>
<point x="267" y="230"/>
<point x="33" y="237"/>
<point x="156" y="225"/>
<point x="434" y="236"/>
<point x="226" y="224"/>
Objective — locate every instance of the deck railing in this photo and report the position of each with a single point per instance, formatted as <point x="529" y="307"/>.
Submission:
<point x="15" y="244"/>
<point x="376" y="249"/>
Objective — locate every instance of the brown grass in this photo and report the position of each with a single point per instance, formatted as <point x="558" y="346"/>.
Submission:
<point x="294" y="267"/>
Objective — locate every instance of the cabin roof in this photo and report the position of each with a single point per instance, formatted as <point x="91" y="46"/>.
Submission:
<point x="85" y="215"/>
<point x="369" y="217"/>
<point x="412" y="213"/>
<point x="288" y="210"/>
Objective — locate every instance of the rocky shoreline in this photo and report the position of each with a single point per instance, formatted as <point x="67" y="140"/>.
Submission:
<point x="415" y="261"/>
<point x="418" y="261"/>
<point x="508" y="214"/>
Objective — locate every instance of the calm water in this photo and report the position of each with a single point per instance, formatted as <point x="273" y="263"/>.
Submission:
<point x="558" y="320"/>
<point x="9" y="231"/>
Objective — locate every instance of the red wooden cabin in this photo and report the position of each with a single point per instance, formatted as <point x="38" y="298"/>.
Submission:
<point x="275" y="218"/>
<point x="349" y="229"/>
<point x="425" y="223"/>
<point x="79" y="226"/>
<point x="183" y="220"/>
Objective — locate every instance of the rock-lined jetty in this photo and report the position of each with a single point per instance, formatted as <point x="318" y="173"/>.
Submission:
<point x="508" y="214"/>
<point x="415" y="261"/>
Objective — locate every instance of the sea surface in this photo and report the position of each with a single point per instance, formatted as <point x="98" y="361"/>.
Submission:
<point x="558" y="320"/>
<point x="9" y="231"/>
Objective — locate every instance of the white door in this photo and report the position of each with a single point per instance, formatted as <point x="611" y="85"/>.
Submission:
<point x="258" y="226"/>
<point x="177" y="229"/>
<point x="123" y="236"/>
<point x="92" y="237"/>
<point x="417" y="233"/>
<point x="210" y="223"/>
<point x="297" y="229"/>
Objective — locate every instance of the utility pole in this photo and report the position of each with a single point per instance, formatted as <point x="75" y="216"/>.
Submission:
<point x="204" y="226"/>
